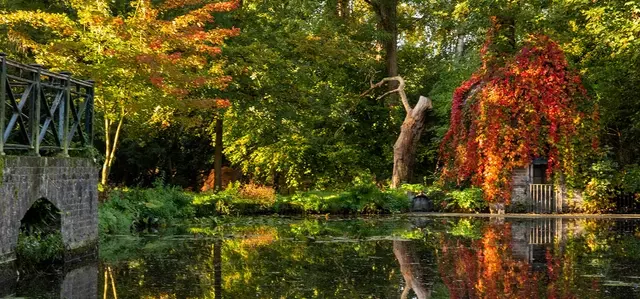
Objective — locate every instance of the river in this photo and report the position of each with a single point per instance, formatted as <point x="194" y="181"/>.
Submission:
<point x="377" y="257"/>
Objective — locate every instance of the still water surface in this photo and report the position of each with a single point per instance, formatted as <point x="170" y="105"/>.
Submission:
<point x="267" y="257"/>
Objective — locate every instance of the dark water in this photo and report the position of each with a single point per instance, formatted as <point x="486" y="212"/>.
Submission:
<point x="362" y="258"/>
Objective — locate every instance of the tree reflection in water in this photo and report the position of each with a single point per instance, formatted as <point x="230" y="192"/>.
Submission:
<point x="411" y="269"/>
<point x="109" y="284"/>
<point x="379" y="258"/>
<point x="488" y="268"/>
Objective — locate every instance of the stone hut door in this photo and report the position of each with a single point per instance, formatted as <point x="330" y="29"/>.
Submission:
<point x="539" y="171"/>
<point x="542" y="192"/>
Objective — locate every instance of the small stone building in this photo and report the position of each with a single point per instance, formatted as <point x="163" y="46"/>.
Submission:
<point x="533" y="192"/>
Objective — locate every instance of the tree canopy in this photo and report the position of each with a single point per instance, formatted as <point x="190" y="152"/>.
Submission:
<point x="289" y="82"/>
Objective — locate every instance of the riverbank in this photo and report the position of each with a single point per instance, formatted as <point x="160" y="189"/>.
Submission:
<point x="123" y="211"/>
<point x="127" y="210"/>
<point x="525" y="216"/>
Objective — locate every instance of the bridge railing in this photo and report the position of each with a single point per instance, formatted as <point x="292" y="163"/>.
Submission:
<point x="42" y="110"/>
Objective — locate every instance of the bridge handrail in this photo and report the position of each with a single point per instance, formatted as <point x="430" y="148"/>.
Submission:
<point x="36" y="103"/>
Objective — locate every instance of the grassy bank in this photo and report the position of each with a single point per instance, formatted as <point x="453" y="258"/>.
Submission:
<point x="128" y="210"/>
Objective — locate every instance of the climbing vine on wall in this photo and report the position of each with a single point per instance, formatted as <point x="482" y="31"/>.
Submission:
<point x="505" y="115"/>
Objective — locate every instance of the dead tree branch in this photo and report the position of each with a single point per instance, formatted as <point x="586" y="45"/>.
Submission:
<point x="399" y="90"/>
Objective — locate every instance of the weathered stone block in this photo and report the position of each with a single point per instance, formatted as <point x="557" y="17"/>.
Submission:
<point x="59" y="180"/>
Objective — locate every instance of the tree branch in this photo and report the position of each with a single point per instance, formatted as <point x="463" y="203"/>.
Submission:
<point x="399" y="90"/>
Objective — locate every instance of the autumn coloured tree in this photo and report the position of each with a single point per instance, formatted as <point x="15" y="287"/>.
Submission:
<point x="148" y="62"/>
<point x="514" y="110"/>
<point x="486" y="268"/>
<point x="490" y="268"/>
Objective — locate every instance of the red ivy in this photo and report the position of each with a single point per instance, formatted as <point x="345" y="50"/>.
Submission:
<point x="503" y="117"/>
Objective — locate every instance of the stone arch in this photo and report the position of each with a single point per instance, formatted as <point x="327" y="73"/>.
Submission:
<point x="42" y="218"/>
<point x="70" y="184"/>
<point x="27" y="202"/>
<point x="35" y="210"/>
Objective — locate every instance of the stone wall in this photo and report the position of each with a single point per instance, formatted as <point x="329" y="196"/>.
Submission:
<point x="520" y="184"/>
<point x="69" y="183"/>
<point x="80" y="283"/>
<point x="571" y="199"/>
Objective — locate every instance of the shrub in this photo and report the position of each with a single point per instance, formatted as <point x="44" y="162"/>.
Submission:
<point x="143" y="208"/>
<point x="263" y="195"/>
<point x="40" y="248"/>
<point x="466" y="201"/>
<point x="160" y="205"/>
<point x="630" y="179"/>
<point x="114" y="221"/>
<point x="236" y="198"/>
<point x="413" y="188"/>
<point x="361" y="196"/>
<point x="600" y="187"/>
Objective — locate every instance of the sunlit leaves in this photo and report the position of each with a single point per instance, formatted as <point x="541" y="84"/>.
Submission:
<point x="503" y="117"/>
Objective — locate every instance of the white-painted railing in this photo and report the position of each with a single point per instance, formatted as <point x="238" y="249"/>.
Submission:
<point x="543" y="198"/>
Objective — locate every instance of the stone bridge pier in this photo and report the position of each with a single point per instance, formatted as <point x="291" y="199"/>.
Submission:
<point x="70" y="184"/>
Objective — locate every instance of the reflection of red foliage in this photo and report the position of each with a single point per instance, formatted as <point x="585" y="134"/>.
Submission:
<point x="487" y="269"/>
<point x="503" y="117"/>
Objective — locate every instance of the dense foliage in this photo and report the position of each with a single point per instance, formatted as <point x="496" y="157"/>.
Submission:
<point x="132" y="210"/>
<point x="148" y="61"/>
<point x="288" y="86"/>
<point x="505" y="116"/>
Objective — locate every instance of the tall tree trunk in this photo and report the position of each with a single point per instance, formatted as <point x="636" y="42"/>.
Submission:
<point x="411" y="270"/>
<point x="391" y="43"/>
<point x="387" y="12"/>
<point x="404" y="150"/>
<point x="218" y="155"/>
<point x="460" y="45"/>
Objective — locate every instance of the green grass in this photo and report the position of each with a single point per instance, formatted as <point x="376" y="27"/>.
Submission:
<point x="130" y="210"/>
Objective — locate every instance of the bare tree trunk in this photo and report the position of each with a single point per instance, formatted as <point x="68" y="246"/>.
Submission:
<point x="411" y="270"/>
<point x="404" y="150"/>
<point x="104" y="176"/>
<point x="218" y="155"/>
<point x="460" y="45"/>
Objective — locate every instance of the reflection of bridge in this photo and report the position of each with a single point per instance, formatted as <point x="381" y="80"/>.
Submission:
<point x="45" y="114"/>
<point x="77" y="282"/>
